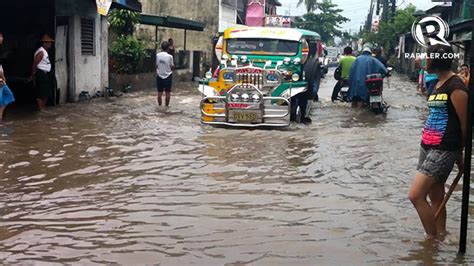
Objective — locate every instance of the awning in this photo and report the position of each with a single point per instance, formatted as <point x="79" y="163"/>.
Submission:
<point x="133" y="5"/>
<point x="461" y="25"/>
<point x="172" y="22"/>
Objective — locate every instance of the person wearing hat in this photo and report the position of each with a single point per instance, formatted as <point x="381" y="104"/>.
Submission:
<point x="41" y="72"/>
<point x="364" y="65"/>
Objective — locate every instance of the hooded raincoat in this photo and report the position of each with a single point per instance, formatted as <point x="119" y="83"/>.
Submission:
<point x="364" y="65"/>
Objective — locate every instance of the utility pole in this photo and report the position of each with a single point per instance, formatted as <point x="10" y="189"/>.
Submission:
<point x="467" y="153"/>
<point x="385" y="10"/>
<point x="368" y="23"/>
<point x="394" y="7"/>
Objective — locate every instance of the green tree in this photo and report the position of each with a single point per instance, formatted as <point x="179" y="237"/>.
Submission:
<point x="126" y="51"/>
<point x="326" y="22"/>
<point x="311" y="5"/>
<point x="123" y="21"/>
<point x="389" y="31"/>
<point x="127" y="54"/>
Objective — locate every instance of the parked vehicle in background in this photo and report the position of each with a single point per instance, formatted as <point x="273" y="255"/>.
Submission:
<point x="267" y="77"/>
<point x="332" y="56"/>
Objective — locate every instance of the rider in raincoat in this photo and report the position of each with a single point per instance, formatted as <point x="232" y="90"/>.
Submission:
<point x="364" y="65"/>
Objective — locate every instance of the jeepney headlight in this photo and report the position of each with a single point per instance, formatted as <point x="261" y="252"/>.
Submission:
<point x="228" y="75"/>
<point x="243" y="59"/>
<point x="272" y="77"/>
<point x="297" y="61"/>
<point x="255" y="98"/>
<point x="245" y="97"/>
<point x="234" y="97"/>
<point x="208" y="75"/>
<point x="295" y="77"/>
<point x="286" y="60"/>
<point x="235" y="57"/>
<point x="225" y="57"/>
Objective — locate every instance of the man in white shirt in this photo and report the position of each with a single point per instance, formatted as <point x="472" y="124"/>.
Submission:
<point x="164" y="71"/>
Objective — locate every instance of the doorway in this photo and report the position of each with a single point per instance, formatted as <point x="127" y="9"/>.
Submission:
<point x="23" y="23"/>
<point x="61" y="62"/>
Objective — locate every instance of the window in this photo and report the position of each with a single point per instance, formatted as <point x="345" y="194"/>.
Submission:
<point x="87" y="36"/>
<point x="262" y="46"/>
<point x="230" y="3"/>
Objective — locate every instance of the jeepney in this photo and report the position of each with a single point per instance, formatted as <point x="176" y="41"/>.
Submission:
<point x="266" y="77"/>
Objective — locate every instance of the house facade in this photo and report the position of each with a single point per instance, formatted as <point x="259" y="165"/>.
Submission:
<point x="80" y="54"/>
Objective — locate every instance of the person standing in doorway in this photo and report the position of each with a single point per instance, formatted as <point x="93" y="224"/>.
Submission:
<point x="41" y="71"/>
<point x="164" y="71"/>
<point x="442" y="141"/>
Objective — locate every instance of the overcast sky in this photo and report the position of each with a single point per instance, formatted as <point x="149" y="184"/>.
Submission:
<point x="355" y="10"/>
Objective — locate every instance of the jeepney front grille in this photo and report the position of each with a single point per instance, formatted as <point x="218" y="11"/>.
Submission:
<point x="254" y="79"/>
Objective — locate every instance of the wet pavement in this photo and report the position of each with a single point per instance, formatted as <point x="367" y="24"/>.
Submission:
<point x="122" y="181"/>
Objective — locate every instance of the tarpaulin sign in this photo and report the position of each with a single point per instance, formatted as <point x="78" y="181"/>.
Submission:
<point x="103" y="6"/>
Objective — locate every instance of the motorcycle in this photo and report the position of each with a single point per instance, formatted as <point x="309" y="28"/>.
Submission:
<point x="374" y="83"/>
<point x="344" y="92"/>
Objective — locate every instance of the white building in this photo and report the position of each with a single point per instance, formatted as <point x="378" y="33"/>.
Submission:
<point x="231" y="13"/>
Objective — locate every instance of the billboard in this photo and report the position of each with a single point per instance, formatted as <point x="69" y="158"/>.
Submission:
<point x="278" y="21"/>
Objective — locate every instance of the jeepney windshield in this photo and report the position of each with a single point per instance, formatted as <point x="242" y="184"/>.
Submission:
<point x="262" y="46"/>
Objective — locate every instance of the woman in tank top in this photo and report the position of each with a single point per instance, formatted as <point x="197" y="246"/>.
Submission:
<point x="442" y="141"/>
<point x="41" y="71"/>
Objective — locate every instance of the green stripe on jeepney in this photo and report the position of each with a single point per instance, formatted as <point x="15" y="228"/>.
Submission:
<point x="284" y="86"/>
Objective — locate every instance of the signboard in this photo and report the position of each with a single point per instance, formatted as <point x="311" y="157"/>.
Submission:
<point x="103" y="6"/>
<point x="278" y="21"/>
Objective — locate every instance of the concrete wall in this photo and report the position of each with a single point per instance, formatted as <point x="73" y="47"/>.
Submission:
<point x="86" y="72"/>
<point x="201" y="10"/>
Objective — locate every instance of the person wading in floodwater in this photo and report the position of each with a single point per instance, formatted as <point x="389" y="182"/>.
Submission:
<point x="6" y="95"/>
<point x="164" y="71"/>
<point x="441" y="143"/>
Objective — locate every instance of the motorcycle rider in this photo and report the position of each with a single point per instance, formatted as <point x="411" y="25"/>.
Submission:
<point x="364" y="65"/>
<point x="345" y="65"/>
<point x="380" y="57"/>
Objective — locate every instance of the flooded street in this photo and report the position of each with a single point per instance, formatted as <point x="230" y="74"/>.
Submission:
<point x="122" y="181"/>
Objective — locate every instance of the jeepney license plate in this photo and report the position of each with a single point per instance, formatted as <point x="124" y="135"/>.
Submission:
<point x="245" y="117"/>
<point x="375" y="99"/>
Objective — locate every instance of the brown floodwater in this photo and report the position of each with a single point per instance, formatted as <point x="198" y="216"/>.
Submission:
<point x="122" y="181"/>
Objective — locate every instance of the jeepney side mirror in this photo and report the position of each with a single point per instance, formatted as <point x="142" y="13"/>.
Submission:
<point x="279" y="63"/>
<point x="267" y="64"/>
<point x="224" y="62"/>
